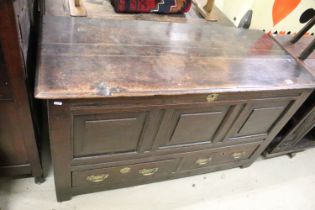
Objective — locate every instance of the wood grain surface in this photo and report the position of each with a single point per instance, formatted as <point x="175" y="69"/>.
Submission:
<point x="97" y="58"/>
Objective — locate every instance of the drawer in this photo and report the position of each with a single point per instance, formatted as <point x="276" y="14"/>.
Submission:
<point x="212" y="157"/>
<point x="125" y="174"/>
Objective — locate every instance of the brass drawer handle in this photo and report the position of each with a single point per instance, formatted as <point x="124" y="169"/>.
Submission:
<point x="212" y="97"/>
<point x="125" y="170"/>
<point x="203" y="161"/>
<point x="97" y="178"/>
<point x="148" y="172"/>
<point x="238" y="155"/>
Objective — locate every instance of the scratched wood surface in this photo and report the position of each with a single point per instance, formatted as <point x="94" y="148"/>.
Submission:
<point x="296" y="49"/>
<point x="96" y="58"/>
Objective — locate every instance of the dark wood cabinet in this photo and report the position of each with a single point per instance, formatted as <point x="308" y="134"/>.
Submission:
<point x="298" y="134"/>
<point x="18" y="146"/>
<point x="134" y="102"/>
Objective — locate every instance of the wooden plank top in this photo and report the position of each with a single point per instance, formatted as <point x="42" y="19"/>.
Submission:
<point x="296" y="49"/>
<point x="97" y="58"/>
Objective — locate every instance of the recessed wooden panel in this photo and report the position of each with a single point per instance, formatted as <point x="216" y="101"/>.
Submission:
<point x="260" y="120"/>
<point x="12" y="147"/>
<point x="112" y="133"/>
<point x="257" y="119"/>
<point x="184" y="126"/>
<point x="197" y="127"/>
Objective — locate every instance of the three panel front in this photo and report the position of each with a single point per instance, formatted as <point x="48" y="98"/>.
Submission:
<point x="183" y="125"/>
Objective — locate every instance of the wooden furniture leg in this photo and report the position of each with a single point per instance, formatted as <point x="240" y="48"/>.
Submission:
<point x="207" y="10"/>
<point x="77" y="9"/>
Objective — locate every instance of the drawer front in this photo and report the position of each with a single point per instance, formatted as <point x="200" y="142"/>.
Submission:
<point x="186" y="126"/>
<point x="4" y="82"/>
<point x="108" y="133"/>
<point x="129" y="174"/>
<point x="212" y="157"/>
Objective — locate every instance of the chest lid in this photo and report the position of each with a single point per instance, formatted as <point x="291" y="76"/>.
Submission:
<point x="98" y="58"/>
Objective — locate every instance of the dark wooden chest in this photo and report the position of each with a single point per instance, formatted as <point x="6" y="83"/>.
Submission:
<point x="133" y="102"/>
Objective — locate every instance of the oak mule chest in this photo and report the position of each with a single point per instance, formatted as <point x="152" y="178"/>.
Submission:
<point x="133" y="102"/>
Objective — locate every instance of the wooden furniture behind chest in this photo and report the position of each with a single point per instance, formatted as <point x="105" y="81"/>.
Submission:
<point x="18" y="147"/>
<point x="299" y="132"/>
<point x="133" y="102"/>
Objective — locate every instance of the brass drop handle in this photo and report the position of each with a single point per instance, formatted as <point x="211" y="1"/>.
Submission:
<point x="212" y="97"/>
<point x="97" y="178"/>
<point x="238" y="155"/>
<point x="203" y="161"/>
<point x="148" y="172"/>
<point x="125" y="170"/>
